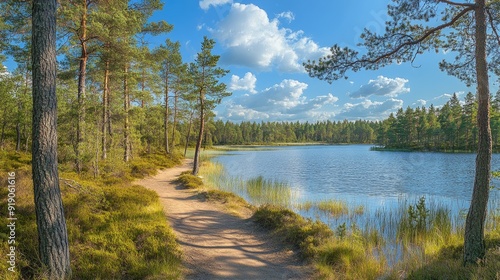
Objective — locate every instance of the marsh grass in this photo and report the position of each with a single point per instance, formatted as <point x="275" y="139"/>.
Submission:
<point x="116" y="230"/>
<point x="262" y="191"/>
<point x="258" y="191"/>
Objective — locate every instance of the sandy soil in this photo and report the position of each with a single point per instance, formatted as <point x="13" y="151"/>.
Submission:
<point x="217" y="245"/>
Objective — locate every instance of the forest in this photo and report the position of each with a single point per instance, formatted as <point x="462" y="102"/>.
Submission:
<point x="125" y="109"/>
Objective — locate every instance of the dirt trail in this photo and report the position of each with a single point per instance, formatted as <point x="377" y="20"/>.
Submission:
<point x="217" y="245"/>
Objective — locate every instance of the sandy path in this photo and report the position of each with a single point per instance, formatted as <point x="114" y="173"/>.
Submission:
<point x="217" y="245"/>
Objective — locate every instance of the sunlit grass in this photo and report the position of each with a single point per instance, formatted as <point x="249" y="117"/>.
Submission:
<point x="116" y="230"/>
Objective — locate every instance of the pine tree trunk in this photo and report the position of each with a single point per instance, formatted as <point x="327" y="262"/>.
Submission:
<point x="196" y="163"/>
<point x="474" y="247"/>
<point x="105" y="105"/>
<point x="18" y="136"/>
<point x="174" y="125"/>
<point x="126" y="137"/>
<point x="167" y="146"/>
<point x="82" y="74"/>
<point x="189" y="133"/>
<point x="51" y="224"/>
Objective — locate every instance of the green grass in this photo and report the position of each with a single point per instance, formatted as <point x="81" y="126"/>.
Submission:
<point x="262" y="191"/>
<point x="116" y="230"/>
<point x="190" y="181"/>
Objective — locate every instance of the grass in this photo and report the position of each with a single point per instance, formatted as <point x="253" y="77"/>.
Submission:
<point x="262" y="191"/>
<point x="190" y="181"/>
<point x="333" y="208"/>
<point x="116" y="230"/>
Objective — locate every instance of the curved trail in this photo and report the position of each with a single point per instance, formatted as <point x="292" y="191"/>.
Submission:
<point x="217" y="245"/>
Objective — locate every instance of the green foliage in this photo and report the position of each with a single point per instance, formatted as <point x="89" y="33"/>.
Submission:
<point x="228" y="133"/>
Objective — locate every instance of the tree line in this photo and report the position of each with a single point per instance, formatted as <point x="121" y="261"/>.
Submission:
<point x="347" y="132"/>
<point x="452" y="127"/>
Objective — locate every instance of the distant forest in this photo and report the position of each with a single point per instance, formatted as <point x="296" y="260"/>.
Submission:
<point x="451" y="127"/>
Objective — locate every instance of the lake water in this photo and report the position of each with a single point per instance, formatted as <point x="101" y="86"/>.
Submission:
<point x="359" y="176"/>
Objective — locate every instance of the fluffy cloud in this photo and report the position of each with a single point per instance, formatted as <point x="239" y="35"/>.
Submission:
<point x="370" y="110"/>
<point x="382" y="86"/>
<point x="246" y="83"/>
<point x="283" y="101"/>
<point x="252" y="39"/>
<point x="205" y="4"/>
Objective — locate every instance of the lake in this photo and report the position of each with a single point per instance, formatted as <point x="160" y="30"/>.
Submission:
<point x="359" y="176"/>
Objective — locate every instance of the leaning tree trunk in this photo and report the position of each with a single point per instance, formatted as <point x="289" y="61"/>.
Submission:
<point x="196" y="163"/>
<point x="474" y="247"/>
<point x="51" y="224"/>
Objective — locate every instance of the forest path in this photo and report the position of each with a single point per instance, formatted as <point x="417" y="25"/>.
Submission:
<point x="217" y="245"/>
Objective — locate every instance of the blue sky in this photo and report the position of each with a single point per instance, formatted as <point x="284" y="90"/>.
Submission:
<point x="264" y="43"/>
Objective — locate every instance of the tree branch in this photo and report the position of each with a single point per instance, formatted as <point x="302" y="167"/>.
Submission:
<point x="423" y="37"/>
<point x="490" y="17"/>
<point x="458" y="4"/>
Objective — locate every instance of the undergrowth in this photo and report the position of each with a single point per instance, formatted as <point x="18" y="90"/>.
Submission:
<point x="116" y="230"/>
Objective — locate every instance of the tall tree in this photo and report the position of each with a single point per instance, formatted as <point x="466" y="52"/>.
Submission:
<point x="410" y="33"/>
<point x="74" y="17"/>
<point x="208" y="90"/>
<point x="170" y="60"/>
<point x="51" y="224"/>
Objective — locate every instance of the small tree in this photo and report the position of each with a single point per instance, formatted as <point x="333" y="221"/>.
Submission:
<point x="409" y="34"/>
<point x="207" y="89"/>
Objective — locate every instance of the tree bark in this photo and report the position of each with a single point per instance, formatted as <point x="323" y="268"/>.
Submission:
<point x="126" y="128"/>
<point x="51" y="224"/>
<point x="105" y="105"/>
<point x="174" y="125"/>
<point x="474" y="247"/>
<point x="189" y="133"/>
<point x="82" y="74"/>
<point x="196" y="163"/>
<point x="167" y="146"/>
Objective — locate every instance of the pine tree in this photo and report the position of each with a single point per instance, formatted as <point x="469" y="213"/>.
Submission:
<point x="409" y="33"/>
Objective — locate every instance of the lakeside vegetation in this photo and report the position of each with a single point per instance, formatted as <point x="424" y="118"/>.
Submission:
<point x="417" y="240"/>
<point x="117" y="230"/>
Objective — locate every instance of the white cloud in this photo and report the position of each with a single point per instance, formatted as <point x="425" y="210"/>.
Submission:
<point x="246" y="83"/>
<point x="382" y="86"/>
<point x="287" y="15"/>
<point x="252" y="39"/>
<point x="421" y="102"/>
<point x="205" y="4"/>
<point x="370" y="110"/>
<point x="283" y="101"/>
